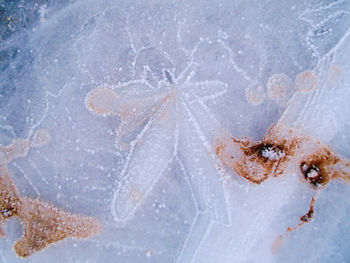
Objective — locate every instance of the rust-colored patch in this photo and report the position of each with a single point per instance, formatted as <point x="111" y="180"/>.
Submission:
<point x="258" y="166"/>
<point x="43" y="223"/>
<point x="103" y="101"/>
<point x="306" y="81"/>
<point x="305" y="218"/>
<point x="277" y="87"/>
<point x="277" y="245"/>
<point x="9" y="198"/>
<point x="256" y="161"/>
<point x="41" y="138"/>
<point x="255" y="95"/>
<point x="283" y="149"/>
<point x="320" y="167"/>
<point x="18" y="148"/>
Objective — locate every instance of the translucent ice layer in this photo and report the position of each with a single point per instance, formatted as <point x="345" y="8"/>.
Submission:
<point x="189" y="131"/>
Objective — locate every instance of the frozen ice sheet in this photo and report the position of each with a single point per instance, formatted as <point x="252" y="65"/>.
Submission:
<point x="131" y="114"/>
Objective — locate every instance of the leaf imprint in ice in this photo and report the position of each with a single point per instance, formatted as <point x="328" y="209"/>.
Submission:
<point x="156" y="121"/>
<point x="105" y="101"/>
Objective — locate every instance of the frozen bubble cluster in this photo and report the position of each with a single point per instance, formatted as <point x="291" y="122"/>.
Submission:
<point x="174" y="131"/>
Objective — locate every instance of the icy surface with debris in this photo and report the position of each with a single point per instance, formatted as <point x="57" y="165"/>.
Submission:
<point x="117" y="104"/>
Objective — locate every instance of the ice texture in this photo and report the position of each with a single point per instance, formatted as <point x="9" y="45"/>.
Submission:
<point x="112" y="110"/>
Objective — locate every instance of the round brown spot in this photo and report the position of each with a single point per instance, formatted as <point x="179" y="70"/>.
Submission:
<point x="277" y="86"/>
<point x="41" y="138"/>
<point x="255" y="95"/>
<point x="305" y="81"/>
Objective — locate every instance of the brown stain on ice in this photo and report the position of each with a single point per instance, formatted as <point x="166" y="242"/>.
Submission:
<point x="320" y="167"/>
<point x="43" y="223"/>
<point x="277" y="87"/>
<point x="258" y="160"/>
<point x="306" y="81"/>
<point x="277" y="244"/>
<point x="18" y="148"/>
<point x="41" y="138"/>
<point x="102" y="101"/>
<point x="283" y="150"/>
<point x="9" y="198"/>
<point x="255" y="95"/>
<point x="136" y="194"/>
<point x="133" y="112"/>
<point x="306" y="218"/>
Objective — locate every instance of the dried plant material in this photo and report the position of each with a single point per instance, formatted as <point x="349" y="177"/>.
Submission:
<point x="278" y="86"/>
<point x="43" y="223"/>
<point x="41" y="138"/>
<point x="255" y="95"/>
<point x="306" y="81"/>
<point x="283" y="150"/>
<point x="305" y="218"/>
<point x="9" y="198"/>
<point x="18" y="148"/>
<point x="257" y="161"/>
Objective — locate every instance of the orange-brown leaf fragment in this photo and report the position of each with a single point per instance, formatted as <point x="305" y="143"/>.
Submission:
<point x="257" y="160"/>
<point x="45" y="224"/>
<point x="282" y="148"/>
<point x="9" y="198"/>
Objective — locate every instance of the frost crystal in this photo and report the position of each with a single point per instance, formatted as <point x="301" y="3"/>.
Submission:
<point x="272" y="153"/>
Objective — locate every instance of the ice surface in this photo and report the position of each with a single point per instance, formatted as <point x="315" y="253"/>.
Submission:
<point x="111" y="109"/>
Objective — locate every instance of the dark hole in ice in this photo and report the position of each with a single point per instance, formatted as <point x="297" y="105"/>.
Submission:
<point x="313" y="174"/>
